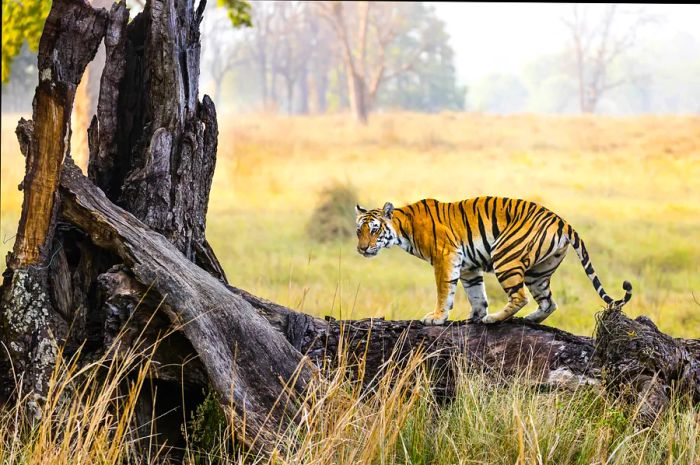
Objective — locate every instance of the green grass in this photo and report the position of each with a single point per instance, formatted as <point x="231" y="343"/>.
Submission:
<point x="518" y="424"/>
<point x="275" y="258"/>
<point x="628" y="185"/>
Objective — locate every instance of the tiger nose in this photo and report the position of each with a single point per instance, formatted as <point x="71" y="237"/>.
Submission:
<point x="362" y="249"/>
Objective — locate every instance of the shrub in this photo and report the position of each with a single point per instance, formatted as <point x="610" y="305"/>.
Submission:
<point x="333" y="217"/>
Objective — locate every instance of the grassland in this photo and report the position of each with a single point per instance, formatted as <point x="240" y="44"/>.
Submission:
<point x="629" y="185"/>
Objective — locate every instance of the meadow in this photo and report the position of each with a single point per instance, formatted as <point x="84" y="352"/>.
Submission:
<point x="628" y="185"/>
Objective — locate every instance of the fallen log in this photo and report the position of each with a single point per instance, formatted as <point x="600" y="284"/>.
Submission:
<point x="514" y="347"/>
<point x="214" y="316"/>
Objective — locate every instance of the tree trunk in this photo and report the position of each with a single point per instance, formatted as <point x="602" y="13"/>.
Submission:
<point x="262" y="79"/>
<point x="290" y="94"/>
<point x="29" y="324"/>
<point x="321" y="90"/>
<point x="304" y="90"/>
<point x="357" y="95"/>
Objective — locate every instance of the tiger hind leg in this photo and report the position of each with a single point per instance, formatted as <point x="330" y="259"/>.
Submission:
<point x="539" y="288"/>
<point x="537" y="280"/>
<point x="513" y="282"/>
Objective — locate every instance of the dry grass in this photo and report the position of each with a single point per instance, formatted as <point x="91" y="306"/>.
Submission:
<point x="629" y="185"/>
<point x="90" y="419"/>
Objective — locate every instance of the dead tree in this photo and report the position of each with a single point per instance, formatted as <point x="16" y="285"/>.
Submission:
<point x="152" y="151"/>
<point x="30" y="321"/>
<point x="597" y="47"/>
<point x="90" y="249"/>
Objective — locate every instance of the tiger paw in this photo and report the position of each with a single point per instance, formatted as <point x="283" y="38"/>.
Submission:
<point x="431" y="319"/>
<point x="490" y="318"/>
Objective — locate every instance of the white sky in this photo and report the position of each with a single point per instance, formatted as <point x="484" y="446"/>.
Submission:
<point x="501" y="37"/>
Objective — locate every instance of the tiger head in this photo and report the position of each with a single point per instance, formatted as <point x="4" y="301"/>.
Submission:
<point x="375" y="229"/>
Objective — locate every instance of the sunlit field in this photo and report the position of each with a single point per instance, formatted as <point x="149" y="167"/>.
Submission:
<point x="628" y="185"/>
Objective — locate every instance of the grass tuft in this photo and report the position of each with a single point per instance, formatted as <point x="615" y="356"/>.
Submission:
<point x="332" y="219"/>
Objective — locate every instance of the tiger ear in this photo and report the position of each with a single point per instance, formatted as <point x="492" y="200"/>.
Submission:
<point x="388" y="210"/>
<point x="359" y="210"/>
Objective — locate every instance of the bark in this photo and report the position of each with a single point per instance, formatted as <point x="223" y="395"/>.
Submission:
<point x="104" y="147"/>
<point x="29" y="324"/>
<point x="247" y="362"/>
<point x="167" y="138"/>
<point x="644" y="364"/>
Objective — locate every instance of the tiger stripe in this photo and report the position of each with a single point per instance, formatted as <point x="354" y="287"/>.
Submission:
<point x="522" y="242"/>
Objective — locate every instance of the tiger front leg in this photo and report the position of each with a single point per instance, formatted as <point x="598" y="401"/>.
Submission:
<point x="446" y="277"/>
<point x="513" y="282"/>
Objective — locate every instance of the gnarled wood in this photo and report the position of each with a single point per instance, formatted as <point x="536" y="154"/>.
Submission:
<point x="72" y="33"/>
<point x="154" y="150"/>
<point x="644" y="364"/>
<point x="103" y="131"/>
<point x="29" y="325"/>
<point x="247" y="362"/>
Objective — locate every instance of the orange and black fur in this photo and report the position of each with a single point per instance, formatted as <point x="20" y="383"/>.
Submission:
<point x="522" y="242"/>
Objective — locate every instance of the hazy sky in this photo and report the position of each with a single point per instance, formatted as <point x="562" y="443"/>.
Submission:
<point x="500" y="37"/>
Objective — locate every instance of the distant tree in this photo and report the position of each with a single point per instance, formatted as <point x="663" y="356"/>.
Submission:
<point x="301" y="64"/>
<point x="289" y="50"/>
<point x="597" y="44"/>
<point x="221" y="53"/>
<point x="291" y="30"/>
<point x="322" y="61"/>
<point x="551" y="88"/>
<point x="366" y="34"/>
<point x="259" y="44"/>
<point x="430" y="83"/>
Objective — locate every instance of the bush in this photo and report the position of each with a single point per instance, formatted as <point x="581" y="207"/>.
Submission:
<point x="209" y="437"/>
<point x="333" y="217"/>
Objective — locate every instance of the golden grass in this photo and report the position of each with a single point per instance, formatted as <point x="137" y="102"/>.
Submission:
<point x="90" y="419"/>
<point x="629" y="186"/>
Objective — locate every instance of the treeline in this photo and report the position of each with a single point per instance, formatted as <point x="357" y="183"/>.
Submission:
<point x="317" y="57"/>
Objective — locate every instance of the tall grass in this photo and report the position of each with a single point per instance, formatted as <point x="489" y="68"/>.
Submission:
<point x="89" y="418"/>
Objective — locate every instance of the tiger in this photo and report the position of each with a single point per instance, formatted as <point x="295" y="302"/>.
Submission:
<point x="521" y="242"/>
